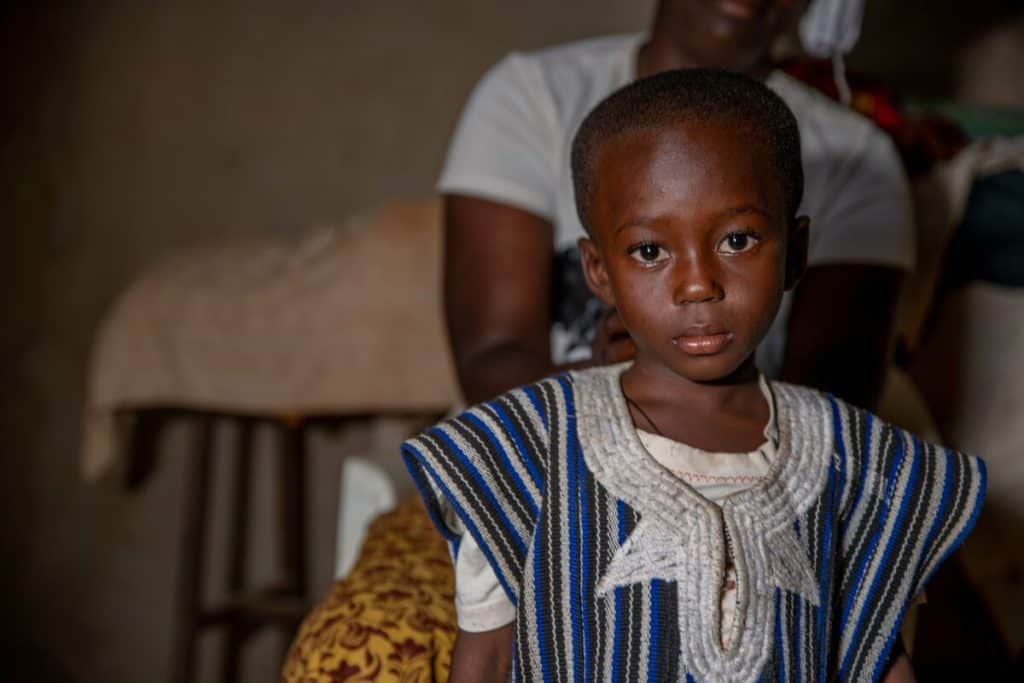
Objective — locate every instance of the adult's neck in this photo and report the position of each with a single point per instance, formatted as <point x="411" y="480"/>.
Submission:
<point x="666" y="49"/>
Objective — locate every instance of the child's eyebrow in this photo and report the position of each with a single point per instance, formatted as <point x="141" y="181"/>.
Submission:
<point x="742" y="209"/>
<point x="730" y="212"/>
<point x="633" y="223"/>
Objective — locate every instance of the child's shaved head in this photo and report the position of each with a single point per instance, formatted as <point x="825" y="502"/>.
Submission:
<point x="700" y="95"/>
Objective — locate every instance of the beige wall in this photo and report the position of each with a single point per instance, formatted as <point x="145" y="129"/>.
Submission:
<point x="147" y="125"/>
<point x="966" y="49"/>
<point x="140" y="126"/>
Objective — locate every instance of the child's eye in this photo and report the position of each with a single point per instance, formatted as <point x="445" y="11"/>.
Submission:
<point x="648" y="253"/>
<point x="738" y="242"/>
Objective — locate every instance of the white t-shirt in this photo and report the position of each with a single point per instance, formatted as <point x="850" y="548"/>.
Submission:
<point x="514" y="139"/>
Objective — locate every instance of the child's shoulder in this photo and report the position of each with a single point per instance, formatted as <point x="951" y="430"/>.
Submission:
<point x="856" y="433"/>
<point x="870" y="448"/>
<point x="544" y="399"/>
<point x="804" y="403"/>
<point x="524" y="412"/>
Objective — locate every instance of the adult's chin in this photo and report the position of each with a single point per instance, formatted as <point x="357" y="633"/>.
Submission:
<point x="728" y="34"/>
<point x="725" y="47"/>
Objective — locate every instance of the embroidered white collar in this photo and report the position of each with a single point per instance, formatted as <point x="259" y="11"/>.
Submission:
<point x="682" y="536"/>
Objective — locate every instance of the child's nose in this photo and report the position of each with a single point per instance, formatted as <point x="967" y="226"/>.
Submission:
<point x="696" y="281"/>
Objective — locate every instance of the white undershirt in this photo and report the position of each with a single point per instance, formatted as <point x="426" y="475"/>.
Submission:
<point x="482" y="605"/>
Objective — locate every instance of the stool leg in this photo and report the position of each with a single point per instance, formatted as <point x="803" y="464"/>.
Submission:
<point x="291" y="508"/>
<point x="238" y="550"/>
<point x="190" y="570"/>
<point x="292" y="511"/>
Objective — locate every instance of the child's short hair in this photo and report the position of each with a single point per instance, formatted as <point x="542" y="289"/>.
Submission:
<point x="691" y="94"/>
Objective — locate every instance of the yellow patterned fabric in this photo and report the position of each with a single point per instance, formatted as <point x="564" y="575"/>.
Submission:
<point x="392" y="619"/>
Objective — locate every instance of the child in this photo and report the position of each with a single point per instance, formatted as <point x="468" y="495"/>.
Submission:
<point x="679" y="517"/>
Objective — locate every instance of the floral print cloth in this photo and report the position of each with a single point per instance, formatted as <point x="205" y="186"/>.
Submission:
<point x="392" y="618"/>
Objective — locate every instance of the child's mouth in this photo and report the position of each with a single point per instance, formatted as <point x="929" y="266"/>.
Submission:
<point x="703" y="342"/>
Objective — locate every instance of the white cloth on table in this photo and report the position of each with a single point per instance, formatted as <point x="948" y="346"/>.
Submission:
<point x="513" y="142"/>
<point x="296" y="327"/>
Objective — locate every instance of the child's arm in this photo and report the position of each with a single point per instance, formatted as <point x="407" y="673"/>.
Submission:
<point x="899" y="670"/>
<point x="482" y="657"/>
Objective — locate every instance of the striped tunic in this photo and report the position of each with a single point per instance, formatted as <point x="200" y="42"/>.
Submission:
<point x="615" y="566"/>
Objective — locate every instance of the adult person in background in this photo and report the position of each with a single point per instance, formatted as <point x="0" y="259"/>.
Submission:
<point x="517" y="308"/>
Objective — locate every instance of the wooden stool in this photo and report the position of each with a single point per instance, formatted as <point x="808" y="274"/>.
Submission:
<point x="244" y="611"/>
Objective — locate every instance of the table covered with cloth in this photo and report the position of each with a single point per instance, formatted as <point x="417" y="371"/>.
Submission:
<point x="313" y="325"/>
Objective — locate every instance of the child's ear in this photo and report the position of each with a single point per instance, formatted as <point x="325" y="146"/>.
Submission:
<point x="796" y="250"/>
<point x="595" y="272"/>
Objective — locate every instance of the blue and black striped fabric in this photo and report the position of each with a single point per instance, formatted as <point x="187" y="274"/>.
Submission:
<point x="870" y="509"/>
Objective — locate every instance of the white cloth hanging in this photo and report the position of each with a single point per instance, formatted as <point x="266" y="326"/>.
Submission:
<point x="830" y="29"/>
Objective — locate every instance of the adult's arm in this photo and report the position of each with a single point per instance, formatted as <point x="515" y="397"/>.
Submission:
<point x="497" y="294"/>
<point x="497" y="291"/>
<point x="841" y="330"/>
<point x="899" y="669"/>
<point x="842" y="322"/>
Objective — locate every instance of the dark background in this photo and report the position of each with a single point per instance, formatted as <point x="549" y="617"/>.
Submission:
<point x="130" y="128"/>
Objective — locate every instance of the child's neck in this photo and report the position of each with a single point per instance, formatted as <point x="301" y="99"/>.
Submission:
<point x="727" y="415"/>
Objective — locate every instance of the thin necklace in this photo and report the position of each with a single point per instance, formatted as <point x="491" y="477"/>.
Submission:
<point x="642" y="412"/>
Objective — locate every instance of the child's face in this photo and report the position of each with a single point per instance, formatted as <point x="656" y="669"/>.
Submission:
<point x="691" y="243"/>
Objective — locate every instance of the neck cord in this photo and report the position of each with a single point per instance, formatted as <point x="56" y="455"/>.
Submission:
<point x="642" y="412"/>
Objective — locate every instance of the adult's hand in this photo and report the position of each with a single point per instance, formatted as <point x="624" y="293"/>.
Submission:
<point x="612" y="343"/>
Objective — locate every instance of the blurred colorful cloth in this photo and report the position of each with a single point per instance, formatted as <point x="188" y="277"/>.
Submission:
<point x="392" y="619"/>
